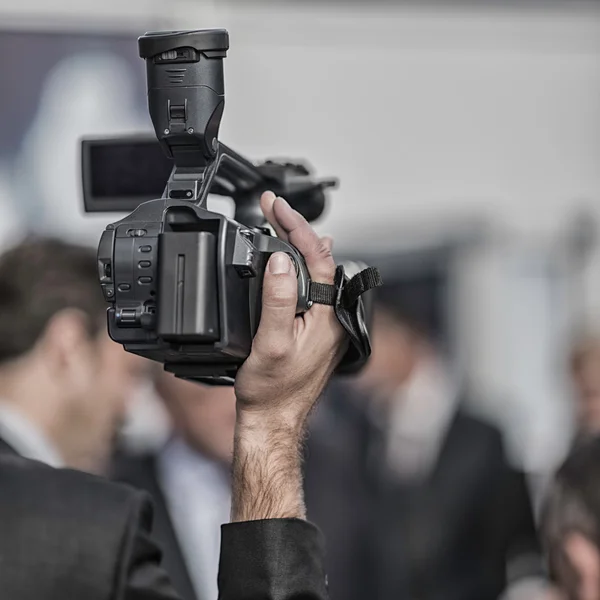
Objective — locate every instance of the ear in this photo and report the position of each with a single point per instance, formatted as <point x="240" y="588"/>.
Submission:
<point x="65" y="338"/>
<point x="584" y="557"/>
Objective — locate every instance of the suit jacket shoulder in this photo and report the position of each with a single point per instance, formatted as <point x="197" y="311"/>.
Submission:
<point x="483" y="431"/>
<point x="472" y="446"/>
<point x="66" y="534"/>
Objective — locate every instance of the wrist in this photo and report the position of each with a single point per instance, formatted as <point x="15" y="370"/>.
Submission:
<point x="262" y="424"/>
<point x="267" y="467"/>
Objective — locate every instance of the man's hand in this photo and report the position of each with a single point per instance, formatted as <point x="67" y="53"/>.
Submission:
<point x="291" y="361"/>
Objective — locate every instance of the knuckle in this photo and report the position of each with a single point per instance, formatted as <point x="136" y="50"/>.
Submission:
<point x="323" y="251"/>
<point x="324" y="265"/>
<point x="326" y="274"/>
<point x="305" y="239"/>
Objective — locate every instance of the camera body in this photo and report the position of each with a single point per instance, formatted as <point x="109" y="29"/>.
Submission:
<point x="184" y="284"/>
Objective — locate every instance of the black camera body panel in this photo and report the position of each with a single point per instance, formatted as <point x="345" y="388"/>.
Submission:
<point x="185" y="285"/>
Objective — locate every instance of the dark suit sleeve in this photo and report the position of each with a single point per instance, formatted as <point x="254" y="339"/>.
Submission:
<point x="278" y="559"/>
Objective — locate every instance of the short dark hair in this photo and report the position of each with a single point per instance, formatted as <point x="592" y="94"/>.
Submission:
<point x="573" y="502"/>
<point x="39" y="278"/>
<point x="416" y="303"/>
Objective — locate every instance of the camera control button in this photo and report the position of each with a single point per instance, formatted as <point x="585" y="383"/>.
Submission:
<point x="178" y="112"/>
<point x="145" y="249"/>
<point x="145" y="280"/>
<point x="126" y="316"/>
<point x="136" y="232"/>
<point x="109" y="292"/>
<point x="124" y="287"/>
<point x="144" y="264"/>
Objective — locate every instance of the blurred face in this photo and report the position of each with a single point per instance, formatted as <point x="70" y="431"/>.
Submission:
<point x="203" y="415"/>
<point x="587" y="389"/>
<point x="396" y="351"/>
<point x="578" y="570"/>
<point x="108" y="378"/>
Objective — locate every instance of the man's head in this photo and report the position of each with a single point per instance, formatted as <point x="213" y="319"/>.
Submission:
<point x="397" y="347"/>
<point x="401" y="338"/>
<point x="57" y="364"/>
<point x="585" y="373"/>
<point x="203" y="415"/>
<point x="406" y="321"/>
<point x="571" y="524"/>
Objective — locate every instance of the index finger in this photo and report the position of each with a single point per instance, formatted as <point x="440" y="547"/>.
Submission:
<point x="266" y="204"/>
<point x="299" y="233"/>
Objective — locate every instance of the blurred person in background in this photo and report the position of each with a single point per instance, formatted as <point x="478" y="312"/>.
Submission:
<point x="64" y="384"/>
<point x="415" y="495"/>
<point x="189" y="481"/>
<point x="585" y="375"/>
<point x="571" y="523"/>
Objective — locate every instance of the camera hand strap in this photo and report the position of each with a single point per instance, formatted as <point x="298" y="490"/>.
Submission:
<point x="345" y="295"/>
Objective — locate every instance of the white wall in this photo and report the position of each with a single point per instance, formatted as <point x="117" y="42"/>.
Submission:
<point x="82" y="14"/>
<point x="421" y="113"/>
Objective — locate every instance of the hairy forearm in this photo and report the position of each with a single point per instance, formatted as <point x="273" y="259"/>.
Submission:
<point x="267" y="470"/>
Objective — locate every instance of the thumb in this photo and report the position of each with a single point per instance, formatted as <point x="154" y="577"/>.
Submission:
<point x="279" y="300"/>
